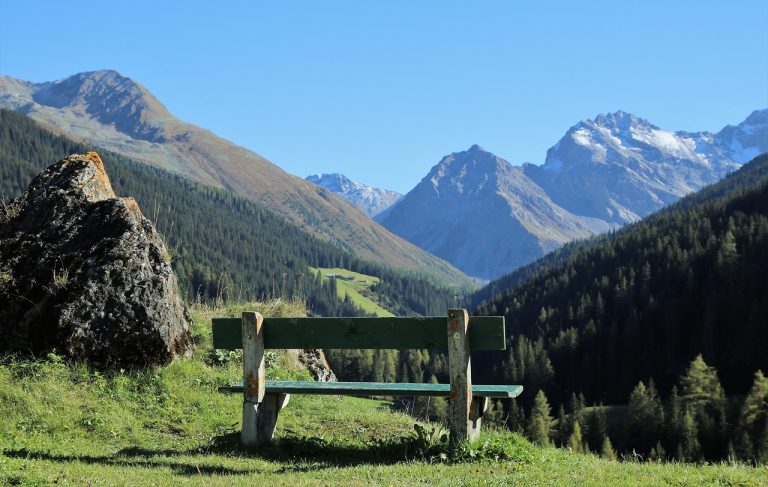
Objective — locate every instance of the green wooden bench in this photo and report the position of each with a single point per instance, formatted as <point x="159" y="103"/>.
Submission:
<point x="263" y="399"/>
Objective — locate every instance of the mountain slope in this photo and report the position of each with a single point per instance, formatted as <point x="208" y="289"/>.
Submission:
<point x="479" y="212"/>
<point x="602" y="174"/>
<point x="117" y="113"/>
<point x="367" y="199"/>
<point x="224" y="246"/>
<point x="643" y="302"/>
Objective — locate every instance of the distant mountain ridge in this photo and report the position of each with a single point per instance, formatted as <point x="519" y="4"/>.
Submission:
<point x="367" y="199"/>
<point x="488" y="217"/>
<point x="115" y="112"/>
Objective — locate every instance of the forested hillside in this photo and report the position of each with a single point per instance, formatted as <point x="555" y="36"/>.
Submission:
<point x="601" y="316"/>
<point x="223" y="245"/>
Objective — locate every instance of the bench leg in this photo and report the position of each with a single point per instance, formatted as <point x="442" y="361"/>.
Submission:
<point x="259" y="420"/>
<point x="476" y="411"/>
<point x="248" y="435"/>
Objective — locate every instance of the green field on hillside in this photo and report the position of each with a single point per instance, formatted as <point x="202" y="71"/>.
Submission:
<point x="64" y="424"/>
<point x="357" y="289"/>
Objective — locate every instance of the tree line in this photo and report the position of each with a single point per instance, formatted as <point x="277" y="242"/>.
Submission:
<point x="696" y="422"/>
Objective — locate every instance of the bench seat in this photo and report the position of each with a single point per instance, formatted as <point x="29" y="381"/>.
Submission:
<point x="377" y="389"/>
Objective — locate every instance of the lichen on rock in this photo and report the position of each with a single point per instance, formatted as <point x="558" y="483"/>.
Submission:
<point x="83" y="272"/>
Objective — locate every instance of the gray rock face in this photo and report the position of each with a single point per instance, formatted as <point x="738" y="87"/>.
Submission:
<point x="367" y="199"/>
<point x="84" y="272"/>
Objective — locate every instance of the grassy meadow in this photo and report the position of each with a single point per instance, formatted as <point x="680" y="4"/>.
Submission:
<point x="64" y="424"/>
<point x="358" y="290"/>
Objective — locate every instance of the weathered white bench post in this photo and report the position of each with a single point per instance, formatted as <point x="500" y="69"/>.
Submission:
<point x="260" y="410"/>
<point x="254" y="375"/>
<point x="464" y="418"/>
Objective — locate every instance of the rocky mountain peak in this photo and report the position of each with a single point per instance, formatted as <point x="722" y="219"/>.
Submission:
<point x="619" y="121"/>
<point x="338" y="183"/>
<point x="367" y="199"/>
<point x="472" y="170"/>
<point x="108" y="97"/>
<point x="746" y="140"/>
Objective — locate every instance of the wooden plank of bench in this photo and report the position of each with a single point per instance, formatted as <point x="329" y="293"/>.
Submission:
<point x="485" y="333"/>
<point x="377" y="389"/>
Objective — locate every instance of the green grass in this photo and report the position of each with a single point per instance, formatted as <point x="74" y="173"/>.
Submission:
<point x="359" y="290"/>
<point x="63" y="424"/>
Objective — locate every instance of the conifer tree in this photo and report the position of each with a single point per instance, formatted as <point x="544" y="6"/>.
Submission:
<point x="689" y="448"/>
<point x="540" y="420"/>
<point x="644" y="417"/>
<point x="674" y="425"/>
<point x="598" y="427"/>
<point x="564" y="427"/>
<point x="575" y="442"/>
<point x="753" y="422"/>
<point x="704" y="398"/>
<point x="606" y="449"/>
<point x="516" y="417"/>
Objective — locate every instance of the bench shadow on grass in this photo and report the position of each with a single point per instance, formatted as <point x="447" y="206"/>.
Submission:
<point x="298" y="454"/>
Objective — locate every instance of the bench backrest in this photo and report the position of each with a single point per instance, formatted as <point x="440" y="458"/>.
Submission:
<point x="485" y="333"/>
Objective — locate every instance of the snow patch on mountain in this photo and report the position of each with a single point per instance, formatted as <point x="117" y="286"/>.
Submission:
<point x="367" y="199"/>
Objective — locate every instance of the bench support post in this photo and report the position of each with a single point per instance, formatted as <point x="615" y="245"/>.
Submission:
<point x="460" y="370"/>
<point x="267" y="416"/>
<point x="254" y="377"/>
<point x="476" y="411"/>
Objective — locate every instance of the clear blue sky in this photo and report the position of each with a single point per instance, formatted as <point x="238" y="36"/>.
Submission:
<point x="381" y="91"/>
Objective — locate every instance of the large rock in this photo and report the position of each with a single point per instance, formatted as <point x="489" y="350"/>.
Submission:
<point x="313" y="359"/>
<point x="84" y="272"/>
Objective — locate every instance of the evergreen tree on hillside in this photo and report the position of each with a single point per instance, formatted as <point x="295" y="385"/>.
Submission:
<point x="606" y="449"/>
<point x="645" y="417"/>
<point x="516" y="417"/>
<point x="674" y="425"/>
<point x="753" y="421"/>
<point x="689" y="448"/>
<point x="598" y="427"/>
<point x="575" y="441"/>
<point x="703" y="397"/>
<point x="540" y="420"/>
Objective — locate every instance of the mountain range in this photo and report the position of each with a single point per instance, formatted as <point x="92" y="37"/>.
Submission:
<point x="114" y="112"/>
<point x="488" y="217"/>
<point x="367" y="199"/>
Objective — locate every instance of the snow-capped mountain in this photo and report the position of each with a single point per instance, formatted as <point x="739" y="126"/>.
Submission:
<point x="488" y="217"/>
<point x="369" y="200"/>
<point x="748" y="139"/>
<point x="619" y="167"/>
